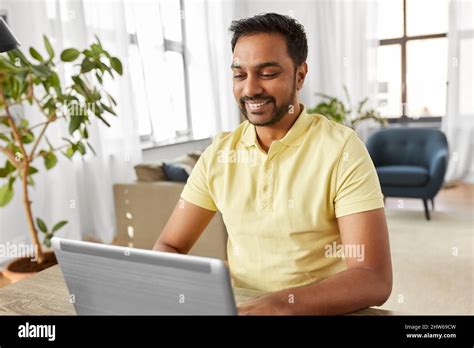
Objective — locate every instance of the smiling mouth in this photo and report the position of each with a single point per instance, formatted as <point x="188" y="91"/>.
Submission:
<point x="257" y="106"/>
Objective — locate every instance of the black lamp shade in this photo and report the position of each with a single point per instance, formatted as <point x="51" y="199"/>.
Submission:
<point x="8" y="41"/>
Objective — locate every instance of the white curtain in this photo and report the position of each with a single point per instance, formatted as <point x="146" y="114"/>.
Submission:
<point x="80" y="190"/>
<point x="458" y="124"/>
<point x="209" y="56"/>
<point x="154" y="76"/>
<point x="344" y="48"/>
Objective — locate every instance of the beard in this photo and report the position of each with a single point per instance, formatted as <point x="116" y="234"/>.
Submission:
<point x="278" y="112"/>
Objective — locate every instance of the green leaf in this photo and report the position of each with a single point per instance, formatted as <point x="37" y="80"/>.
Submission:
<point x="81" y="148"/>
<point x="13" y="148"/>
<point x="81" y="87"/>
<point x="96" y="49"/>
<point x="112" y="99"/>
<point x="116" y="65"/>
<point x="85" y="132"/>
<point x="32" y="170"/>
<point x="108" y="109"/>
<point x="104" y="67"/>
<point x="50" y="160"/>
<point x="5" y="171"/>
<point x="68" y="140"/>
<point x="59" y="225"/>
<point x="47" y="240"/>
<point x="55" y="83"/>
<point x="4" y="138"/>
<point x="35" y="54"/>
<point x="48" y="46"/>
<point x="99" y="78"/>
<point x="5" y="64"/>
<point x="24" y="123"/>
<point x="41" y="70"/>
<point x="10" y="168"/>
<point x="70" y="152"/>
<point x="30" y="181"/>
<point x="4" y="121"/>
<point x="21" y="78"/>
<point x="41" y="225"/>
<point x="90" y="147"/>
<point x="75" y="122"/>
<point x="87" y="65"/>
<point x="6" y="194"/>
<point x="103" y="120"/>
<point x="69" y="54"/>
<point x="16" y="53"/>
<point x="27" y="137"/>
<point x="98" y="41"/>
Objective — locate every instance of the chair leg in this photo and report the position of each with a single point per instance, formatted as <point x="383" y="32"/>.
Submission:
<point x="427" y="212"/>
<point x="432" y="204"/>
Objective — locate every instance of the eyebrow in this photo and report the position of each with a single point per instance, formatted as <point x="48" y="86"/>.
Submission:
<point x="259" y="66"/>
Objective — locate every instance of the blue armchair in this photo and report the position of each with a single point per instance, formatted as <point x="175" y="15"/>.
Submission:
<point x="410" y="162"/>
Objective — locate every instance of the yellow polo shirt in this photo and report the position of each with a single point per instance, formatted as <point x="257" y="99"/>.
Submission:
<point x="280" y="208"/>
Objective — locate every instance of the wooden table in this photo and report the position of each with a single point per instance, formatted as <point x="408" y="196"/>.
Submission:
<point x="46" y="294"/>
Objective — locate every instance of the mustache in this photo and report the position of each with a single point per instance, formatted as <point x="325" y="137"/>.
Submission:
<point x="257" y="97"/>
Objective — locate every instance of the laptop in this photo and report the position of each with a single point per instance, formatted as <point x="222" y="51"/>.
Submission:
<point x="114" y="280"/>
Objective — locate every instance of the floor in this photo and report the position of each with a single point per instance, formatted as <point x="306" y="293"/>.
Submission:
<point x="433" y="261"/>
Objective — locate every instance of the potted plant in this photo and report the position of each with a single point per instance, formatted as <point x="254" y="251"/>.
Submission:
<point x="335" y="110"/>
<point x="36" y="82"/>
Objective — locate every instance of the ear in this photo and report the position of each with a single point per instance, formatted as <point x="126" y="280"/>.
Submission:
<point x="301" y="75"/>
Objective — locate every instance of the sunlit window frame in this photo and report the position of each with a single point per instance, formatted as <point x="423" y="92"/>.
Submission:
<point x="402" y="41"/>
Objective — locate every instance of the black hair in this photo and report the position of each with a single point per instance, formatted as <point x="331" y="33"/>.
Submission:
<point x="290" y="28"/>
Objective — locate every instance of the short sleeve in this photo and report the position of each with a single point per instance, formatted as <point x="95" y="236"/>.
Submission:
<point x="357" y="183"/>
<point x="196" y="190"/>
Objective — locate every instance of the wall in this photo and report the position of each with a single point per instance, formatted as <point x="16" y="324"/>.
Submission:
<point x="168" y="152"/>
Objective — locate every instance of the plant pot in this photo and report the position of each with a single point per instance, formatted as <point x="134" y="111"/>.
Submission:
<point x="24" y="267"/>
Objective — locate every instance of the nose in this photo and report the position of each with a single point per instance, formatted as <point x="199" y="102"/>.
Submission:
<point x="252" y="86"/>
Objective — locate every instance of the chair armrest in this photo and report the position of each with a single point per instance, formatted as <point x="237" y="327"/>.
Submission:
<point x="439" y="163"/>
<point x="437" y="170"/>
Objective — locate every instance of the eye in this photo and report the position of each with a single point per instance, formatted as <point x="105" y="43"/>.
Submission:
<point x="238" y="77"/>
<point x="269" y="75"/>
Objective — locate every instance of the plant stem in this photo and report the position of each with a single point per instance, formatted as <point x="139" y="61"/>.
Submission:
<point x="38" y="139"/>
<point x="52" y="150"/>
<point x="29" y="214"/>
<point x="24" y="168"/>
<point x="43" y="123"/>
<point x="60" y="147"/>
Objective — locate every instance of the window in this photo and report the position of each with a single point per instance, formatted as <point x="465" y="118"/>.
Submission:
<point x="158" y="69"/>
<point x="412" y="58"/>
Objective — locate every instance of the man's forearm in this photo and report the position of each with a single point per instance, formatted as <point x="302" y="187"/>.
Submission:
<point x="165" y="248"/>
<point x="344" y="292"/>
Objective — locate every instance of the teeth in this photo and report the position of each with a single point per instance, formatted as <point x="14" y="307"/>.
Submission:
<point x="255" y="105"/>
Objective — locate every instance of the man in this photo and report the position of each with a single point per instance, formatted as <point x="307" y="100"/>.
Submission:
<point x="294" y="189"/>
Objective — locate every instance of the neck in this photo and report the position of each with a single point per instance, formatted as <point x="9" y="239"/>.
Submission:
<point x="268" y="134"/>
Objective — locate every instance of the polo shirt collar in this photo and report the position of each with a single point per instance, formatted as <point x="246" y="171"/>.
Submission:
<point x="294" y="136"/>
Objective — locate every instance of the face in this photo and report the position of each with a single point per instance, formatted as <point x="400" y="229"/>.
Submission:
<point x="265" y="81"/>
